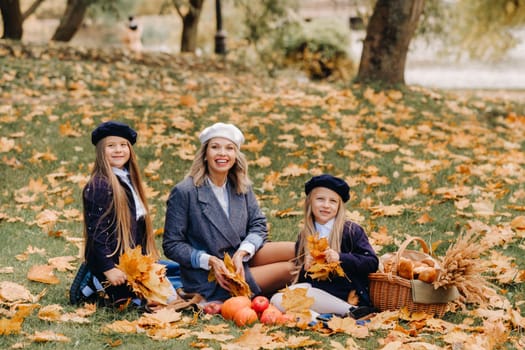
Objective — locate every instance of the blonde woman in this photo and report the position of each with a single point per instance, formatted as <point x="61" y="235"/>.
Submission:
<point x="324" y="215"/>
<point x="116" y="215"/>
<point x="213" y="211"/>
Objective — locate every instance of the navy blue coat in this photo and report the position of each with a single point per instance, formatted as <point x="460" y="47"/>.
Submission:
<point x="101" y="230"/>
<point x="357" y="258"/>
<point x="196" y="222"/>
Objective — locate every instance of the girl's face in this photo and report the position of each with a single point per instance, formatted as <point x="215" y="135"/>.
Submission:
<point x="220" y="155"/>
<point x="116" y="151"/>
<point x="325" y="204"/>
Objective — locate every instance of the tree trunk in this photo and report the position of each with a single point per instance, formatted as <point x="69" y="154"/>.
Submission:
<point x="12" y="18"/>
<point x="32" y="9"/>
<point x="388" y="36"/>
<point x="190" y="23"/>
<point x="71" y="20"/>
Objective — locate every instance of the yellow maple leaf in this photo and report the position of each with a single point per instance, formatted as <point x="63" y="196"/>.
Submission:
<point x="238" y="286"/>
<point x="43" y="274"/>
<point x="321" y="269"/>
<point x="50" y="312"/>
<point x="297" y="303"/>
<point x="145" y="277"/>
<point x="46" y="336"/>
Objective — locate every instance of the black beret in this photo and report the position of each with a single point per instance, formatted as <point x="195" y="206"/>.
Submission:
<point x="336" y="184"/>
<point x="113" y="128"/>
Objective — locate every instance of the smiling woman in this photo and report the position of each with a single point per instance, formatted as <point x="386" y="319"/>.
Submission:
<point x="214" y="212"/>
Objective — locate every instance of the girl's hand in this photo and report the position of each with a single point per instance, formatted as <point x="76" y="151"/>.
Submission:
<point x="331" y="255"/>
<point x="308" y="261"/>
<point x="220" y="271"/>
<point x="238" y="261"/>
<point x="115" y="276"/>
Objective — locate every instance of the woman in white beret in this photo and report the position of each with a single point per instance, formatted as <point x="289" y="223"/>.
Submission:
<point x="213" y="211"/>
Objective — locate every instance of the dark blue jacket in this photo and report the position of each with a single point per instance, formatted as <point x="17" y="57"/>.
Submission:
<point x="101" y="230"/>
<point x="357" y="258"/>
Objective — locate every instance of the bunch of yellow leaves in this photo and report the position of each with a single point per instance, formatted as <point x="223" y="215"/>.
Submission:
<point x="146" y="277"/>
<point x="238" y="285"/>
<point x="321" y="269"/>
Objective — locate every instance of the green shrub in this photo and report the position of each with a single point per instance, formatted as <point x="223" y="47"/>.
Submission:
<point x="320" y="47"/>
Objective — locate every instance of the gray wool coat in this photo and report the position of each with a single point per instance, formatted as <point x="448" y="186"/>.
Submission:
<point x="195" y="222"/>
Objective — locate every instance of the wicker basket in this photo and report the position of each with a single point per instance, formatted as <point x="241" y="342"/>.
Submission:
<point x="391" y="292"/>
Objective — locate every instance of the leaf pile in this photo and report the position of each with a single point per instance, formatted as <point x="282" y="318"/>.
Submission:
<point x="146" y="277"/>
<point x="238" y="285"/>
<point x="321" y="269"/>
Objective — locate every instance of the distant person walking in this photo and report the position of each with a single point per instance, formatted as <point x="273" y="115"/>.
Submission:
<point x="133" y="36"/>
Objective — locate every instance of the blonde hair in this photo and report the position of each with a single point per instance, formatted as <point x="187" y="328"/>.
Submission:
<point x="119" y="202"/>
<point x="336" y="234"/>
<point x="237" y="175"/>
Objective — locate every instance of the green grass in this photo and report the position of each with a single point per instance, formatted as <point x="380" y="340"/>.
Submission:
<point x="148" y="97"/>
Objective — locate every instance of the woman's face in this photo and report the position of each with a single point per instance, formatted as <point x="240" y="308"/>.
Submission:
<point x="116" y="151"/>
<point x="325" y="204"/>
<point x="220" y="155"/>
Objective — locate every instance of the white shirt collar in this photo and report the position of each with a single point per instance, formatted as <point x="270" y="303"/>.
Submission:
<point x="324" y="229"/>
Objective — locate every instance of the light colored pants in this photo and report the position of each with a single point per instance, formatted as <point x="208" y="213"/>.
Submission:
<point x="324" y="302"/>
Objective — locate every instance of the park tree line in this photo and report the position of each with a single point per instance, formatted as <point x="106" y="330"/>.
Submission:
<point x="481" y="28"/>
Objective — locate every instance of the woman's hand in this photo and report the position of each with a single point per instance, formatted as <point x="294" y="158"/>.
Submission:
<point x="220" y="271"/>
<point x="115" y="276"/>
<point x="238" y="259"/>
<point x="331" y="255"/>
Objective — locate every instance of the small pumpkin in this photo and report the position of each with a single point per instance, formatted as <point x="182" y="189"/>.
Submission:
<point x="245" y="316"/>
<point x="234" y="304"/>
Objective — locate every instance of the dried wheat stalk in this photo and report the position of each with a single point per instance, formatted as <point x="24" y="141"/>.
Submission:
<point x="463" y="268"/>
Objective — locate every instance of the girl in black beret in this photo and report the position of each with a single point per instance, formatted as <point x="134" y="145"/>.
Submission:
<point x="116" y="216"/>
<point x="325" y="215"/>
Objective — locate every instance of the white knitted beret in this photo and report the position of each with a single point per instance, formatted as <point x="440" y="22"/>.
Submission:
<point x="228" y="131"/>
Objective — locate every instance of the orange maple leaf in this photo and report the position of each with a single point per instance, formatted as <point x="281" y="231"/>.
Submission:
<point x="238" y="286"/>
<point x="321" y="269"/>
<point x="146" y="277"/>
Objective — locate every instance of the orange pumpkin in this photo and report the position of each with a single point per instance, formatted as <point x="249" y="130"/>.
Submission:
<point x="234" y="304"/>
<point x="245" y="316"/>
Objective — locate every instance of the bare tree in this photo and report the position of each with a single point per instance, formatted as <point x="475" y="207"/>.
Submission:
<point x="190" y="22"/>
<point x="12" y="18"/>
<point x="71" y="20"/>
<point x="31" y="9"/>
<point x="388" y="35"/>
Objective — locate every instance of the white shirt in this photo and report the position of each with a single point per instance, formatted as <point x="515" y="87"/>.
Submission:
<point x="124" y="176"/>
<point x="324" y="230"/>
<point x="221" y="193"/>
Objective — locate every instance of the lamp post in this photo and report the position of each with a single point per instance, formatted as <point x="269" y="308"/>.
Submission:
<point x="220" y="35"/>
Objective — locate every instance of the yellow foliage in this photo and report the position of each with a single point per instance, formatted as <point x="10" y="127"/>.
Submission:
<point x="321" y="269"/>
<point x="146" y="277"/>
<point x="238" y="285"/>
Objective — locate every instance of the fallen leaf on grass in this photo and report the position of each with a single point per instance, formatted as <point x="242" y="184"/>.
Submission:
<point x="62" y="263"/>
<point x="43" y="274"/>
<point x="169" y="332"/>
<point x="11" y="292"/>
<point x="347" y="325"/>
<point x="48" y="336"/>
<point x="121" y="326"/>
<point x="7" y="269"/>
<point x="14" y="324"/>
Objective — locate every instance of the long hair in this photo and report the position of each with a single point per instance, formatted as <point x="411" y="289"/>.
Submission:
<point x="119" y="203"/>
<point x="237" y="175"/>
<point x="336" y="235"/>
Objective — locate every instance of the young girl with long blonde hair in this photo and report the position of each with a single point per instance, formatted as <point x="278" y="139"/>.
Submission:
<point x="116" y="215"/>
<point x="325" y="217"/>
